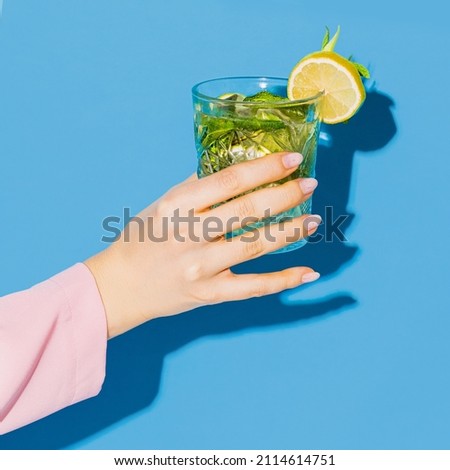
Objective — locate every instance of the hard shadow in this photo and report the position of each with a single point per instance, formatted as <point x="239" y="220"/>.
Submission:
<point x="135" y="360"/>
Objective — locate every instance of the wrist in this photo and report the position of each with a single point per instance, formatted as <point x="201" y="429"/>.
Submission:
<point x="107" y="275"/>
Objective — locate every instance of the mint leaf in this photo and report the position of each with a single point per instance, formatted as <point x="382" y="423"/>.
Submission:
<point x="362" y="70"/>
<point x="265" y="97"/>
<point x="332" y="43"/>
<point x="326" y="38"/>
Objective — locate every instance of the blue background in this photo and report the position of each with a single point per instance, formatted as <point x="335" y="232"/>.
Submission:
<point x="92" y="94"/>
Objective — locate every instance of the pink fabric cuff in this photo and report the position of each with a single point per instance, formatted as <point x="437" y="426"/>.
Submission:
<point x="88" y="327"/>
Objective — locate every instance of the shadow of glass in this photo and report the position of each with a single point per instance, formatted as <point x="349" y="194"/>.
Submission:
<point x="370" y="130"/>
<point x="135" y="360"/>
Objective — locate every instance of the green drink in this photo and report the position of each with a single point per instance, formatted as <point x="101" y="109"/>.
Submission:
<point x="240" y="119"/>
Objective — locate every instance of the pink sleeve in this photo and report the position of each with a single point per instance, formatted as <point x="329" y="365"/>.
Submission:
<point x="52" y="347"/>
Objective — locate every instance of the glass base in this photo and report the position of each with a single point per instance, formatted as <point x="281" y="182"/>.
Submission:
<point x="291" y="247"/>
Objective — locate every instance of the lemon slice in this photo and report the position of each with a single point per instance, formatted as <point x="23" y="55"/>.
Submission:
<point x="336" y="76"/>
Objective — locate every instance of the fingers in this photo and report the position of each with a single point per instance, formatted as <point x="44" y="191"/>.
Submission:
<point x="231" y="251"/>
<point x="263" y="203"/>
<point x="245" y="286"/>
<point x="238" y="178"/>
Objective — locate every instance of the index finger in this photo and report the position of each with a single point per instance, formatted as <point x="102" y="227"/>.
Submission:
<point x="239" y="178"/>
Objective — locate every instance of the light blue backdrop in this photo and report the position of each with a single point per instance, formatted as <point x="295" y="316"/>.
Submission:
<point x="92" y="95"/>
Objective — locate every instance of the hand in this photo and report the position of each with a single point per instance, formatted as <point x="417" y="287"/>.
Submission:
<point x="140" y="279"/>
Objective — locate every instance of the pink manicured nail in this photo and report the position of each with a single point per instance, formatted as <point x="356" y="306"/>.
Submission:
<point x="312" y="222"/>
<point x="310" y="277"/>
<point x="291" y="160"/>
<point x="308" y="185"/>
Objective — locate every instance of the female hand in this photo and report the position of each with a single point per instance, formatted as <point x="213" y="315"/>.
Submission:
<point x="174" y="257"/>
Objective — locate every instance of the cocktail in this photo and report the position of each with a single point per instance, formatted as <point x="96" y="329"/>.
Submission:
<point x="243" y="118"/>
<point x="254" y="120"/>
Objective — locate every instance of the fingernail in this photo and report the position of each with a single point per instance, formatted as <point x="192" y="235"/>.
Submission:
<point x="308" y="185"/>
<point x="312" y="222"/>
<point x="291" y="160"/>
<point x="310" y="277"/>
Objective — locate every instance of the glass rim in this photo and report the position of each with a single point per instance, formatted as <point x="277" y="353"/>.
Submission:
<point x="211" y="99"/>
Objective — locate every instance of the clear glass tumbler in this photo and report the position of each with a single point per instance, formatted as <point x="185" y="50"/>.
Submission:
<point x="236" y="120"/>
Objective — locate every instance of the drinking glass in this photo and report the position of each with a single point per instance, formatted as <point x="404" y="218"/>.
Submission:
<point x="236" y="120"/>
